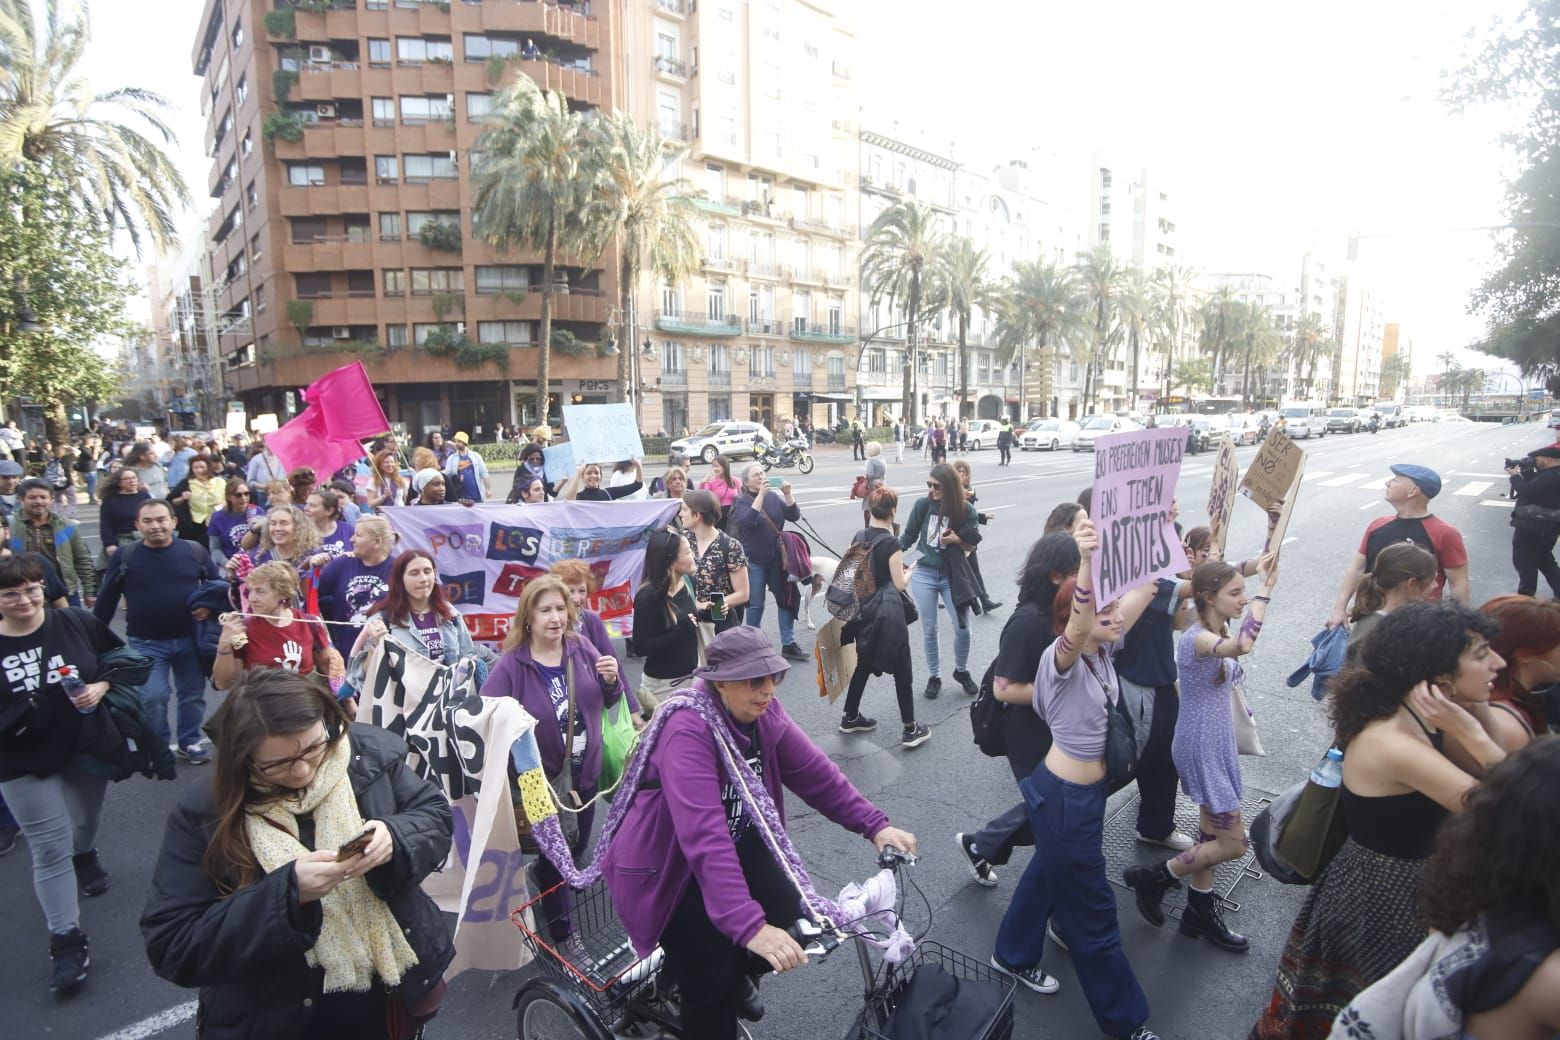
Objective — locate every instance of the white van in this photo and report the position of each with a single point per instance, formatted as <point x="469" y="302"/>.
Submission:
<point x="1301" y="421"/>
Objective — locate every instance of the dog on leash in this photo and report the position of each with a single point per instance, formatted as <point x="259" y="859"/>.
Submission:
<point x="823" y="568"/>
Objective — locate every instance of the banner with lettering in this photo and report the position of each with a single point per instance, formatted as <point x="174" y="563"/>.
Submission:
<point x="1135" y="474"/>
<point x="487" y="552"/>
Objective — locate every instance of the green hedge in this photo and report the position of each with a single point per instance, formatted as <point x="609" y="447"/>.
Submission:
<point x="509" y="451"/>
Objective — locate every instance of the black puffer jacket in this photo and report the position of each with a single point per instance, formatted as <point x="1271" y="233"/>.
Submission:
<point x="246" y="951"/>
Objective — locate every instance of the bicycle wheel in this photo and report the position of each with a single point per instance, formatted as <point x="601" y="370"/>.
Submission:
<point x="547" y="1011"/>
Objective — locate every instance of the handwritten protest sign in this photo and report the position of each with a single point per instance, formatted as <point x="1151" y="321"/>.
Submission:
<point x="1221" y="494"/>
<point x="558" y="462"/>
<point x="1276" y="534"/>
<point x="1273" y="470"/>
<point x="1135" y="474"/>
<point x="603" y="432"/>
<point x="264" y="423"/>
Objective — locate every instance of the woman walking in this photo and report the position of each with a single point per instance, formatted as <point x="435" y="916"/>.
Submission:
<point x="144" y="462"/>
<point x="1529" y="640"/>
<point x="351" y="585"/>
<point x="1423" y="682"/>
<point x="881" y="633"/>
<point x="876" y="472"/>
<point x="122" y="498"/>
<point x="1205" y="753"/>
<point x="667" y="617"/>
<point x="415" y="613"/>
<point x="323" y="508"/>
<point x="719" y="564"/>
<point x="229" y="525"/>
<point x="941" y="527"/>
<point x="196" y="498"/>
<point x="273" y="633"/>
<point x="287" y="937"/>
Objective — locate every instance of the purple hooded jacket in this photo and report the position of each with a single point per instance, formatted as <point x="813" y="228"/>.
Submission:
<point x="516" y="675"/>
<point x="679" y="831"/>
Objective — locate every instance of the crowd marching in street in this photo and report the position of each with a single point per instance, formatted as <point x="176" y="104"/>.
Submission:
<point x="287" y="889"/>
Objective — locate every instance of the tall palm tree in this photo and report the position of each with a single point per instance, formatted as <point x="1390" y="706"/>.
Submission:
<point x="967" y="288"/>
<point x="1216" y="327"/>
<point x="1099" y="279"/>
<point x="648" y="212"/>
<point x="1256" y="344"/>
<point x="1135" y="304"/>
<point x="1171" y="286"/>
<point x="899" y="263"/>
<point x="1395" y="372"/>
<point x="106" y="149"/>
<point x="1042" y="307"/>
<point x="532" y="174"/>
<point x="1469" y="380"/>
<point x="1308" y="344"/>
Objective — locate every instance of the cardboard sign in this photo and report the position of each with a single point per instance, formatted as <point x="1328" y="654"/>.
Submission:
<point x="1273" y="470"/>
<point x="1275" y="539"/>
<point x="264" y="423"/>
<point x="1135" y="474"/>
<point x="1221" y="494"/>
<point x="558" y="462"/>
<point x="603" y="432"/>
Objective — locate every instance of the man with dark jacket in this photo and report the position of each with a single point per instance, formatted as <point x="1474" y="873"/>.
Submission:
<point x="157" y="578"/>
<point x="1535" y="522"/>
<point x="757" y="517"/>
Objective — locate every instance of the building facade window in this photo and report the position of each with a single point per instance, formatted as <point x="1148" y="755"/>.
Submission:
<point x="761" y="362"/>
<point x="715" y="298"/>
<point x="390" y="227"/>
<point x="305" y="175"/>
<point x="395" y="282"/>
<point x="720" y="407"/>
<point x="379" y="53"/>
<point x="387" y="169"/>
<point x="502" y="278"/>
<point x="395" y="336"/>
<point x="509" y="333"/>
<point x="429" y="167"/>
<point x="414" y="50"/>
<point x="429" y="280"/>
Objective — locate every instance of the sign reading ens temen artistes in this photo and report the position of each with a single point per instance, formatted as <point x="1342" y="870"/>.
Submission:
<point x="1135" y="474"/>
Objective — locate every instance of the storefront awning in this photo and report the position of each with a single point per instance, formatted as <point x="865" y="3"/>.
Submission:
<point x="828" y="397"/>
<point x="880" y="393"/>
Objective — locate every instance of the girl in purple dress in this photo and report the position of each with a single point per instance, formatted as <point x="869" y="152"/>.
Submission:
<point x="1204" y="750"/>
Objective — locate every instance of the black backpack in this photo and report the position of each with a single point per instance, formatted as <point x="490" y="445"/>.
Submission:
<point x="988" y="722"/>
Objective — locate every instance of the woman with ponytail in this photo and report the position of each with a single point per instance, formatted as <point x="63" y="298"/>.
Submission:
<point x="1404" y="573"/>
<point x="1205" y="752"/>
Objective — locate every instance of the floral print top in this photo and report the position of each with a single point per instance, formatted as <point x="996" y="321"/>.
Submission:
<point x="712" y="571"/>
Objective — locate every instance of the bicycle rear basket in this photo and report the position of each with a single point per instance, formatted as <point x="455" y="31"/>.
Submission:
<point x="594" y="955"/>
<point x="877" y="1018"/>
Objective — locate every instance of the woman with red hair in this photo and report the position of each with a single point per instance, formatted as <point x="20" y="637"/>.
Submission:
<point x="1529" y="640"/>
<point x="416" y="613"/>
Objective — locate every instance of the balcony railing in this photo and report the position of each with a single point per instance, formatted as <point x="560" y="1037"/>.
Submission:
<point x="671" y="66"/>
<point x="698" y="324"/>
<point x="802" y="380"/>
<point x="766" y="326"/>
<point x="720" y="378"/>
<point x="672" y="6"/>
<point x="670" y="377"/>
<point x="836" y="381"/>
<point x="721" y="263"/>
<point x="811" y="332"/>
<point x="764" y="269"/>
<point x="673" y="131"/>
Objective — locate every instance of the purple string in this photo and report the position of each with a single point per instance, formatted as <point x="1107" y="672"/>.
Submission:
<point x="703" y="701"/>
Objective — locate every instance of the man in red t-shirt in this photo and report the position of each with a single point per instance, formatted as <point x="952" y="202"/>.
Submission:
<point x="1409" y="492"/>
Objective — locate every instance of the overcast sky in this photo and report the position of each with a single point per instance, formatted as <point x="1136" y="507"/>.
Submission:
<point x="1277" y="127"/>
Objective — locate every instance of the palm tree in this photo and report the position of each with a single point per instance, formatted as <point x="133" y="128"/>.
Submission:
<point x="1042" y="307"/>
<point x="966" y="288"/>
<point x="1171" y="286"/>
<point x="899" y="263"/>
<point x="1395" y="372"/>
<point x="650" y="214"/>
<point x="1307" y="345"/>
<point x="1256" y="343"/>
<point x="1469" y="380"/>
<point x="91" y="144"/>
<point x="1099" y="279"/>
<point x="532" y="175"/>
<point x="1216" y="327"/>
<point x="1137" y="310"/>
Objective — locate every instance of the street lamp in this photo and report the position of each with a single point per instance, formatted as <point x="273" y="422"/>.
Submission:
<point x="909" y="360"/>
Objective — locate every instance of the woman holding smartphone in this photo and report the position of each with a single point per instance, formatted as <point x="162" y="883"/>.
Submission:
<point x="720" y="571"/>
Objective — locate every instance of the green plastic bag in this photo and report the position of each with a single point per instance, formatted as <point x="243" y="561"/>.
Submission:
<point x="617" y="740"/>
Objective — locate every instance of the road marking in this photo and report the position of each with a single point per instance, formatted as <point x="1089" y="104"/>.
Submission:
<point x="1500" y="503"/>
<point x="155" y="1024"/>
<point x="1465" y="473"/>
<point x="1347" y="478"/>
<point x="1286" y="541"/>
<point x="1375" y="485"/>
<point x="1373" y="503"/>
<point x="1473" y="489"/>
<point x="1316" y="475"/>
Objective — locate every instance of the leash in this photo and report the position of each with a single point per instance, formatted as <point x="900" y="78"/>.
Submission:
<point x="808" y="528"/>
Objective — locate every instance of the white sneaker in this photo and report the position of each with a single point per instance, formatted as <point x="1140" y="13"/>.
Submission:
<point x="1174" y="840"/>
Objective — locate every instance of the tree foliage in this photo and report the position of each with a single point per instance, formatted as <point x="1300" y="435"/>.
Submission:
<point x="902" y="264"/>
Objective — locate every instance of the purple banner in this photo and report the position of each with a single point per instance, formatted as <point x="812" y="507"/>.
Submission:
<point x="1135" y="473"/>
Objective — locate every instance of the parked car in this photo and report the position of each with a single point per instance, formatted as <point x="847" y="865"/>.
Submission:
<point x="1048" y="435"/>
<point x="1098" y="425"/>
<point x="1554" y="419"/>
<point x="1392" y="414"/>
<point x="730" y="438"/>
<point x="1244" y="429"/>
<point x="1345" y="420"/>
<point x="982" y="434"/>
<point x="1303" y="421"/>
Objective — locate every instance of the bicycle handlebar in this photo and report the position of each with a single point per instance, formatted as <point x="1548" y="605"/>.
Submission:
<point x="814" y="941"/>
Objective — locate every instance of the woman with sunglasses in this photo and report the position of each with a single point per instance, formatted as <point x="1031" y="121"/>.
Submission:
<point x="689" y="867"/>
<point x="527" y="473"/>
<point x="941" y="525"/>
<point x="288" y="888"/>
<point x="231" y="523"/>
<point x="42" y="729"/>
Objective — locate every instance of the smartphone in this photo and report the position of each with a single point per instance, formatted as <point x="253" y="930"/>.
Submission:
<point x="910" y="558"/>
<point x="775" y="482"/>
<point x="355" y="846"/>
<point x="718" y="606"/>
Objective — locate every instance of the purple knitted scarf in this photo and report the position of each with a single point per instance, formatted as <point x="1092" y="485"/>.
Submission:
<point x="703" y="701"/>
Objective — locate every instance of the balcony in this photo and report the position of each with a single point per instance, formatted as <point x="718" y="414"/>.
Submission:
<point x="674" y="378"/>
<point x="820" y="226"/>
<point x="720" y="378"/>
<point x="802" y="379"/>
<point x="698" y="324"/>
<point x="670" y="68"/>
<point x="674" y="132"/>
<point x="766" y="327"/>
<point x="836" y="381"/>
<point x="722" y="206"/>
<point x="677" y="7"/>
<point x="812" y="332"/>
<point x="766" y="269"/>
<point x="721" y="263"/>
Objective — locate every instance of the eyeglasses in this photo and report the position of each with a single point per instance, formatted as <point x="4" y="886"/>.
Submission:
<point x="23" y="593"/>
<point x="933" y="485"/>
<point x="310" y="755"/>
<point x="240" y="494"/>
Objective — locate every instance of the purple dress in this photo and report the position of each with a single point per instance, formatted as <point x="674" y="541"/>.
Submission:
<point x="1204" y="749"/>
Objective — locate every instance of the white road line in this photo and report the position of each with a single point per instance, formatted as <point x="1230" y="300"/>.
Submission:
<point x="155" y="1024"/>
<point x="1473" y="489"/>
<point x="1500" y="503"/>
<point x="1347" y="478"/>
<point x="1286" y="541"/>
<point x="1465" y="473"/>
<point x="1316" y="475"/>
<point x="1375" y="485"/>
<point x="1373" y="503"/>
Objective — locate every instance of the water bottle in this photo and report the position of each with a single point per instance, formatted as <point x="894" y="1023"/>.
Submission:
<point x="1329" y="771"/>
<point x="70" y="681"/>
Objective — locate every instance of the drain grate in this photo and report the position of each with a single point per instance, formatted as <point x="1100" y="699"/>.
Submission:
<point x="1123" y="850"/>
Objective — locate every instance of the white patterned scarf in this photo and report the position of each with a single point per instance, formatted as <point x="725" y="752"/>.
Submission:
<point x="360" y="937"/>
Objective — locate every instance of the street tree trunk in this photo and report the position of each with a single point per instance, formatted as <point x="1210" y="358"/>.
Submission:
<point x="964" y="369"/>
<point x="544" y="348"/>
<point x="908" y="396"/>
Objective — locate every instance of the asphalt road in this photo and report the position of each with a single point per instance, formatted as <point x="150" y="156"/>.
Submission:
<point x="942" y="787"/>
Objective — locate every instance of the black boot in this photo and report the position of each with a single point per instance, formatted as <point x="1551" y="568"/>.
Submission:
<point x="68" y="951"/>
<point x="1202" y="917"/>
<point x="750" y="1006"/>
<point x="1150" y="884"/>
<point x="91" y="878"/>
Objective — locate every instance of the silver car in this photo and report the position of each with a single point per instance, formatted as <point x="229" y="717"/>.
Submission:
<point x="1048" y="435"/>
<point x="731" y="438"/>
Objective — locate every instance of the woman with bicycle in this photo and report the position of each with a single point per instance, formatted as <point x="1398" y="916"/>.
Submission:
<point x="693" y="866"/>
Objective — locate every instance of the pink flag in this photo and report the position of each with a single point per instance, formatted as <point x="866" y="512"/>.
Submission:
<point x="305" y="441"/>
<point x="345" y="400"/>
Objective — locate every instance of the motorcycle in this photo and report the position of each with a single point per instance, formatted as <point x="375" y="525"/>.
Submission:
<point x="1374" y="424"/>
<point x="792" y="453"/>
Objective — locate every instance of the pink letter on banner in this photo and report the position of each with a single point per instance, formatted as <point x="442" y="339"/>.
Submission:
<point x="1135" y="473"/>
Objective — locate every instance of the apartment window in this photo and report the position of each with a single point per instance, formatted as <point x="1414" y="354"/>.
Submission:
<point x="834" y="211"/>
<point x="715" y="182"/>
<point x="504" y="278"/>
<point x="674" y="358"/>
<point x="481" y="48"/>
<point x="801" y="310"/>
<point x="761" y="362"/>
<point x="304" y="175"/>
<point x="421" y="332"/>
<point x="877" y="362"/>
<point x="478" y="106"/>
<point x="716" y="241"/>
<point x="668" y="111"/>
<point x="395" y="336"/>
<point x="836" y="316"/>
<point x="836" y="368"/>
<point x="312" y="284"/>
<point x="666" y="46"/>
<point x="379" y="55"/>
<point x="753" y="312"/>
<point x="395" y="282"/>
<point x="715" y="302"/>
<point x="251" y="196"/>
<point x="671" y="305"/>
<point x="719" y="361"/>
<point x="248" y="144"/>
<point x="428" y="280"/>
<point x="801" y="360"/>
<point x="720" y="407"/>
<point x="429" y="167"/>
<point x="255" y="249"/>
<point x="726" y="130"/>
<point x="417" y="220"/>
<point x="386" y="169"/>
<point x="241" y="90"/>
<point x="260" y="301"/>
<point x="802" y="200"/>
<point x="511" y="333"/>
<point x="384" y="111"/>
<point x="415" y="110"/>
<point x="238" y="35"/>
<point x="1104" y="180"/>
<point x="416" y="49"/>
<point x="390" y="227"/>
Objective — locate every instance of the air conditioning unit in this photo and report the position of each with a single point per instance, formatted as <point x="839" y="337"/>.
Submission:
<point x="341" y="332"/>
<point x="325" y="110"/>
<point x="319" y="54"/>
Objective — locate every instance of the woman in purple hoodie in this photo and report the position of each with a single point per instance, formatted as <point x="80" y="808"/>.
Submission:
<point x="689" y="867"/>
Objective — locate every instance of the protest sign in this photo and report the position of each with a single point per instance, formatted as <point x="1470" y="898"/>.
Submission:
<point x="1221" y="494"/>
<point x="1273" y="470"/>
<point x="145" y="433"/>
<point x="1135" y="474"/>
<point x="558" y="462"/>
<point x="486" y="553"/>
<point x="460" y="742"/>
<point x="236" y="419"/>
<point x="1276" y="535"/>
<point x="603" y="432"/>
<point x="836" y="661"/>
<point x="264" y="423"/>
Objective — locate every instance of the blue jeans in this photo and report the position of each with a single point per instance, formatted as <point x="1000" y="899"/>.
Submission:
<point x="926" y="585"/>
<point x="759" y="576"/>
<point x="179" y="657"/>
<point x="1065" y="881"/>
<point x="7" y="821"/>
